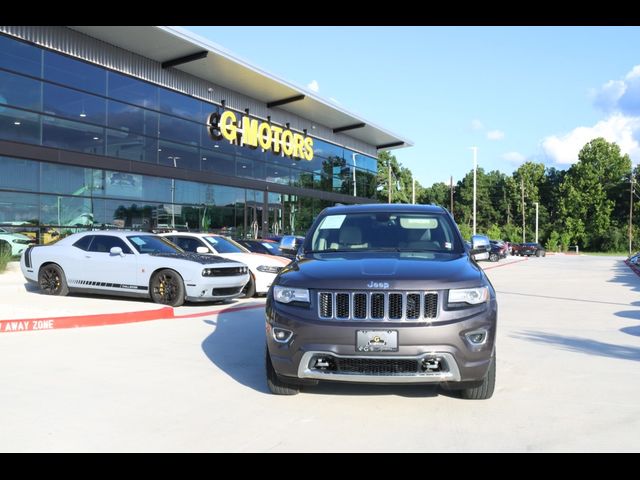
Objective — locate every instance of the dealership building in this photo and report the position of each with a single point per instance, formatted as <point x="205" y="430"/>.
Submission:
<point x="156" y="127"/>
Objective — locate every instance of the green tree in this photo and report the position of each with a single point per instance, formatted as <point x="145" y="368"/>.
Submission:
<point x="494" y="232"/>
<point x="552" y="242"/>
<point x="589" y="191"/>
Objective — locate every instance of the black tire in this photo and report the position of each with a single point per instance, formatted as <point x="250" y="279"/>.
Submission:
<point x="538" y="253"/>
<point x="167" y="288"/>
<point x="483" y="391"/>
<point x="250" y="288"/>
<point x="275" y="384"/>
<point x="493" y="257"/>
<point x="52" y="280"/>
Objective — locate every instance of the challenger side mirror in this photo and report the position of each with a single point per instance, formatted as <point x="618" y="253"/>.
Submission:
<point x="202" y="250"/>
<point x="116" y="251"/>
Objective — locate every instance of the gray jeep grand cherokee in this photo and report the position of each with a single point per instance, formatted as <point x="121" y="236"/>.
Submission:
<point x="383" y="294"/>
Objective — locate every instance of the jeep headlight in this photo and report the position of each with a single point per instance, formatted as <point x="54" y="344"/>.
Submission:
<point x="471" y="296"/>
<point x="269" y="269"/>
<point x="288" y="294"/>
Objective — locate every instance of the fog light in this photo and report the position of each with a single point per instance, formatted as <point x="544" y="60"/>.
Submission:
<point x="477" y="337"/>
<point x="281" y="335"/>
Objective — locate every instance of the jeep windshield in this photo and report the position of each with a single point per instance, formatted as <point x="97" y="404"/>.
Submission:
<point x="385" y="231"/>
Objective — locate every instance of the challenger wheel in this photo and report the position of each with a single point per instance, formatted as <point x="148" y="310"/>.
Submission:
<point x="52" y="280"/>
<point x="167" y="288"/>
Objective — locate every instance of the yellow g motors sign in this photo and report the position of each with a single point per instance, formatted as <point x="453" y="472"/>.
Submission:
<point x="253" y="133"/>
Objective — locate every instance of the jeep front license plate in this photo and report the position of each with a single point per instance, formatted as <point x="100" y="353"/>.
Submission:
<point x="377" y="340"/>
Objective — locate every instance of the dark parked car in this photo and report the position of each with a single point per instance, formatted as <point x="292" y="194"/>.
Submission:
<point x="499" y="250"/>
<point x="529" y="249"/>
<point x="264" y="246"/>
<point x="383" y="294"/>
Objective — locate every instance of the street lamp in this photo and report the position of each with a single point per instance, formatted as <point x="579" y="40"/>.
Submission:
<point x="173" y="193"/>
<point x="536" y="204"/>
<point x="353" y="156"/>
<point x="475" y="168"/>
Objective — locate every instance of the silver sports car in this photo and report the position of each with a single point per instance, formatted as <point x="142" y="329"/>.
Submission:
<point x="132" y="264"/>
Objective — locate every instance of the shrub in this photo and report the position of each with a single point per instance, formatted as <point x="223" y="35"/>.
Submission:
<point x="5" y="255"/>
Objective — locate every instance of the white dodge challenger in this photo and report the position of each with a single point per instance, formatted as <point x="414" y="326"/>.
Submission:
<point x="131" y="264"/>
<point x="262" y="268"/>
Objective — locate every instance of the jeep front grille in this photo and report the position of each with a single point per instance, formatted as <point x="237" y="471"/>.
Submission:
<point x="395" y="306"/>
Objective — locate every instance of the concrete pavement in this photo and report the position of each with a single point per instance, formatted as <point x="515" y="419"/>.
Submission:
<point x="567" y="380"/>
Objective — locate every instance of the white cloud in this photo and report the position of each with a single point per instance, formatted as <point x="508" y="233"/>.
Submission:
<point x="476" y="124"/>
<point x="314" y="86"/>
<point x="514" y="157"/>
<point x="620" y="95"/>
<point x="608" y="95"/>
<point x="618" y="128"/>
<point x="495" y="135"/>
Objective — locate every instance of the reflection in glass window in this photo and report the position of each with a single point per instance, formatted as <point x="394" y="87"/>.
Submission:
<point x="19" y="126"/>
<point x="220" y="163"/>
<point x="65" y="211"/>
<point x="57" y="132"/>
<point x="19" y="208"/>
<point x="132" y="119"/>
<point x="19" y="174"/>
<point x="20" y="91"/>
<point x="156" y="188"/>
<point x="179" y="104"/>
<point x="65" y="179"/>
<point x="75" y="73"/>
<point x="188" y="192"/>
<point x="132" y="90"/>
<point x="131" y="146"/>
<point x="179" y="130"/>
<point x="178" y="156"/>
<point x="74" y="105"/>
<point x="20" y="56"/>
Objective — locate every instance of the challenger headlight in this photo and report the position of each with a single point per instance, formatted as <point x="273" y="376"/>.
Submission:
<point x="269" y="269"/>
<point x="288" y="294"/>
<point x="472" y="296"/>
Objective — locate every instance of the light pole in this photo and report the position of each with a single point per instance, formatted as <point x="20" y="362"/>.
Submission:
<point x="389" y="182"/>
<point x="353" y="156"/>
<point x="536" y="204"/>
<point x="173" y="193"/>
<point x="475" y="168"/>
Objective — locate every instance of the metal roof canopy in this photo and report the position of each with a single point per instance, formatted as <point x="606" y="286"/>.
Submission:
<point x="164" y="44"/>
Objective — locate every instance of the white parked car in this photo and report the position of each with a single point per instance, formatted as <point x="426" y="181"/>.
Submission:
<point x="18" y="242"/>
<point x="132" y="264"/>
<point x="263" y="268"/>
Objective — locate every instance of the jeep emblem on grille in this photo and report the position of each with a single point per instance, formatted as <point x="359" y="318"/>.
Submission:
<point x="378" y="284"/>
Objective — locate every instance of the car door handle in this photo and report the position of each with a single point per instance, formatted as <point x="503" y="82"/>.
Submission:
<point x="87" y="256"/>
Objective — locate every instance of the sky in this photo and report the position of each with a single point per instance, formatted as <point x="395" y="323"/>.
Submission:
<point x="517" y="93"/>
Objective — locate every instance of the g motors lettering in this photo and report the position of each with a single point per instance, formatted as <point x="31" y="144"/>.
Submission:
<point x="254" y="133"/>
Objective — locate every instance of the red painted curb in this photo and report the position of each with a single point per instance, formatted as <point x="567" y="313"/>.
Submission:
<point x="507" y="264"/>
<point x="52" y="323"/>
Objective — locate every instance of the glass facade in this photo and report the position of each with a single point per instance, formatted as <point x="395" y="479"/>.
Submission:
<point x="56" y="101"/>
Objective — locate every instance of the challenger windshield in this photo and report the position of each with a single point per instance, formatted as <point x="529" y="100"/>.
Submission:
<point x="387" y="231"/>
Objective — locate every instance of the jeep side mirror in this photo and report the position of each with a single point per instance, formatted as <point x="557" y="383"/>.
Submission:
<point x="480" y="244"/>
<point x="289" y="244"/>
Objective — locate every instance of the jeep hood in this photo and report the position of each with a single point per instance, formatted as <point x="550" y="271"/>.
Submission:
<point x="382" y="271"/>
